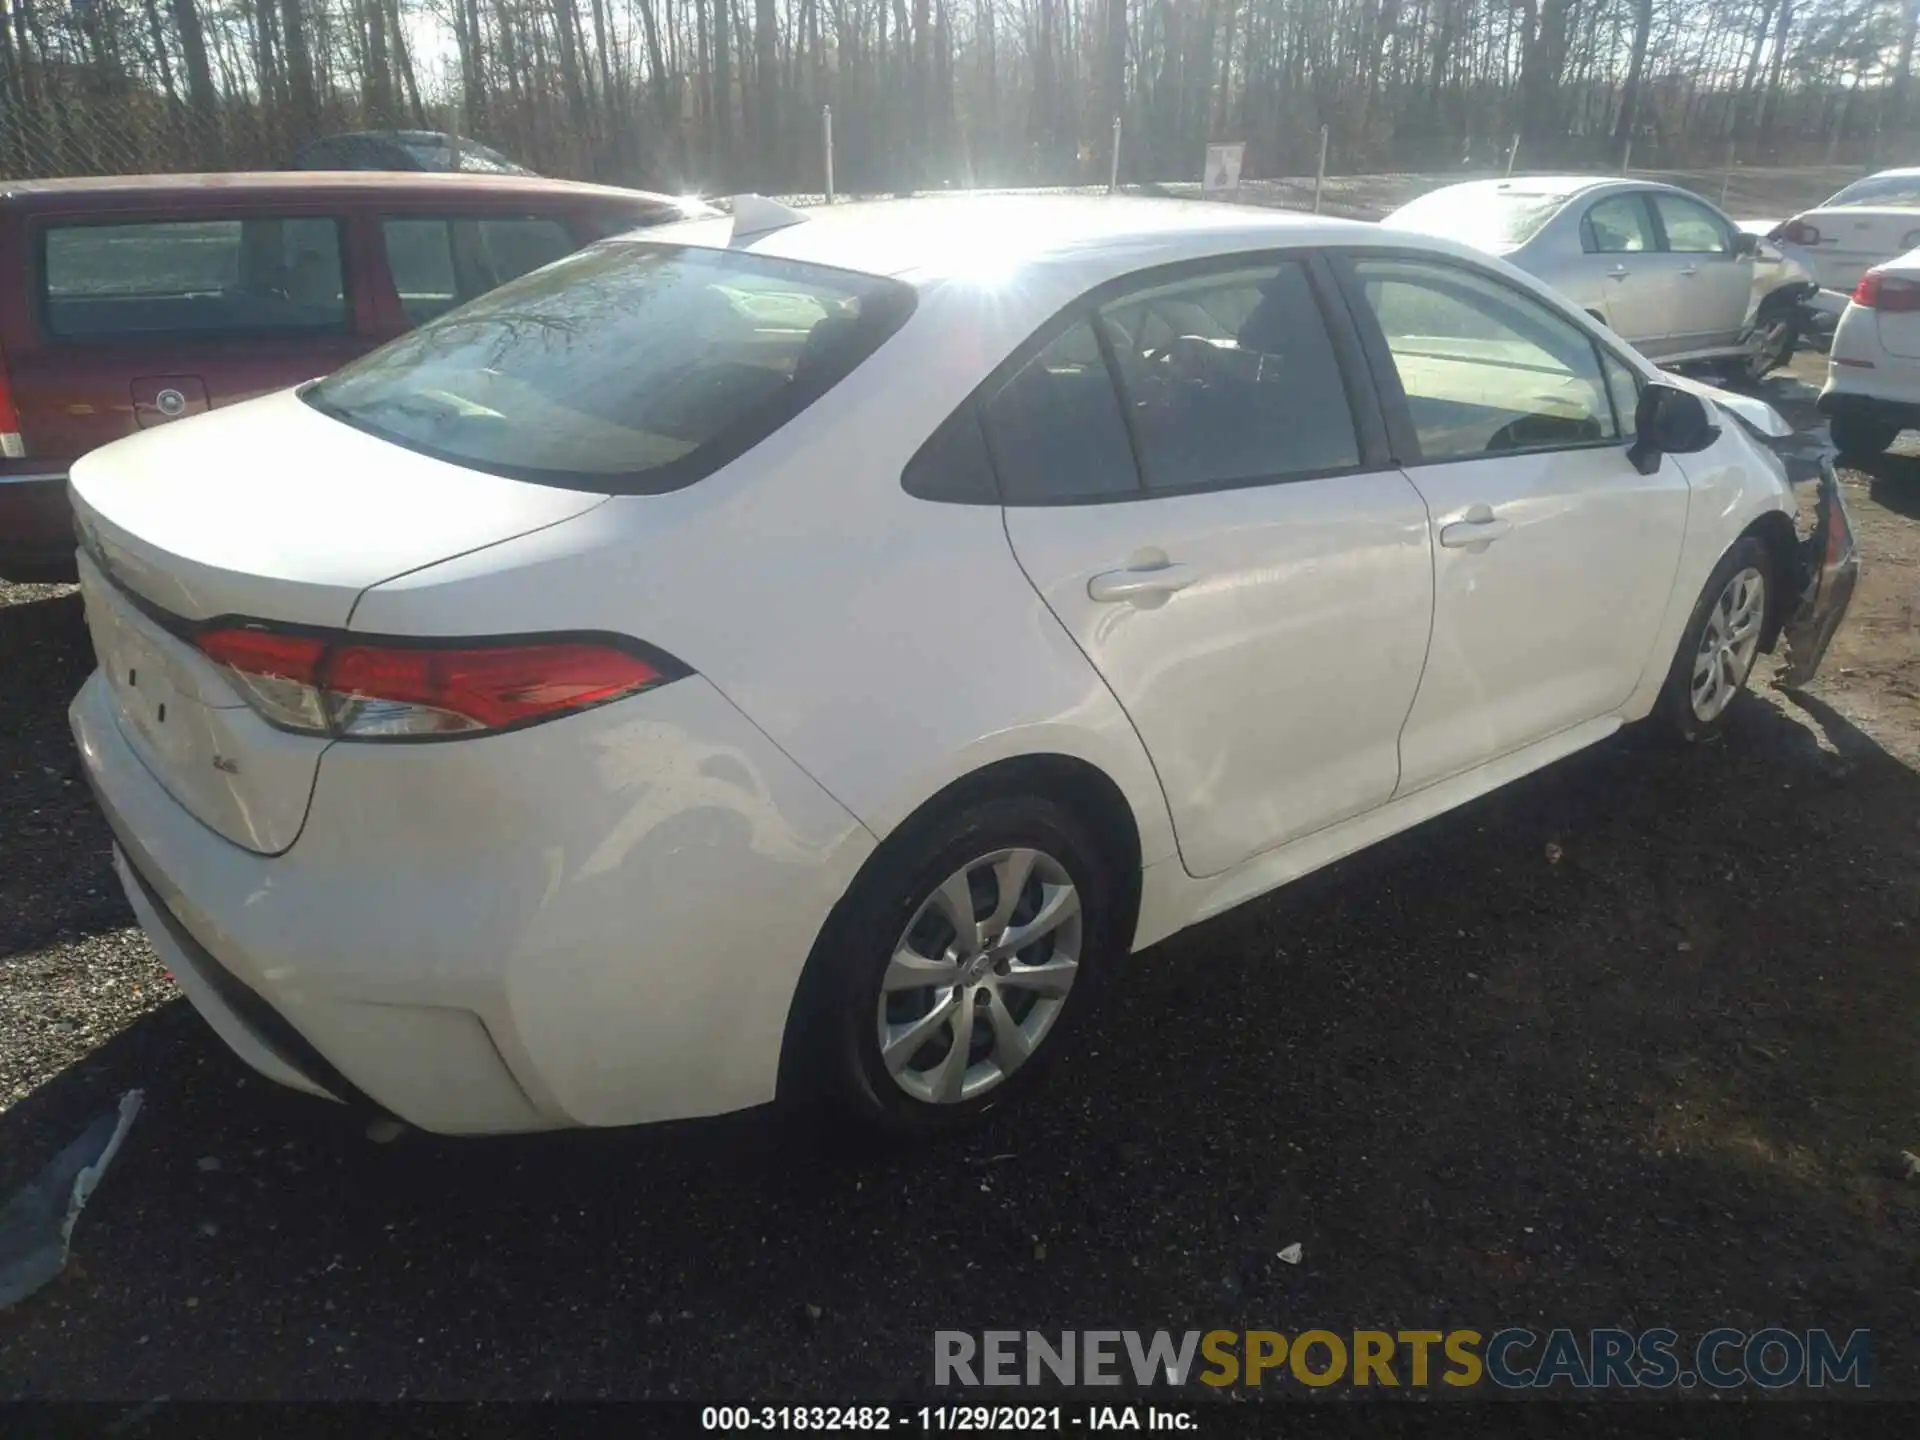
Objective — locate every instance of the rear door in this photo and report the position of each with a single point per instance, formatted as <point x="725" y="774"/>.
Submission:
<point x="145" y="319"/>
<point x="1196" y="483"/>
<point x="1715" y="287"/>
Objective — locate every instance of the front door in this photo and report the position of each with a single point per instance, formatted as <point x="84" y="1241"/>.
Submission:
<point x="1256" y="590"/>
<point x="1716" y="280"/>
<point x="1553" y="556"/>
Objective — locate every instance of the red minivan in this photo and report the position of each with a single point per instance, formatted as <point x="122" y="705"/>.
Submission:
<point x="135" y="300"/>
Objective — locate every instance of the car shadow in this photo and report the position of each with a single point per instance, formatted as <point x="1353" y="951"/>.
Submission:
<point x="54" y="879"/>
<point x="1626" y="1041"/>
<point x="1894" y="481"/>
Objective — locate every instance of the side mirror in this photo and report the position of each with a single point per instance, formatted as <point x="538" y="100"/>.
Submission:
<point x="1745" y="243"/>
<point x="1669" y="421"/>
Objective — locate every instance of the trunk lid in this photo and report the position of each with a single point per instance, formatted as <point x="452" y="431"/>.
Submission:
<point x="269" y="511"/>
<point x="1854" y="237"/>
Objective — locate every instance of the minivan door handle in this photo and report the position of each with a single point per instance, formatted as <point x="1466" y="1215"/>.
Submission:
<point x="1618" y="272"/>
<point x="1146" y="586"/>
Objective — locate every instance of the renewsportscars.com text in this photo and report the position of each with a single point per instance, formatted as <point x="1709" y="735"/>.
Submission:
<point x="1509" y="1359"/>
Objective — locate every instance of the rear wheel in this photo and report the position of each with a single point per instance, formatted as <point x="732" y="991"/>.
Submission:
<point x="1862" y="432"/>
<point x="955" y="967"/>
<point x="1721" y="643"/>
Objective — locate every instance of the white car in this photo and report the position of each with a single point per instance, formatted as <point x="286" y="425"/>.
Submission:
<point x="808" y="652"/>
<point x="1867" y="222"/>
<point x="1873" y="366"/>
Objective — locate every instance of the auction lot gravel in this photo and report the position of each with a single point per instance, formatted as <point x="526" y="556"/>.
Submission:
<point x="1635" y="1042"/>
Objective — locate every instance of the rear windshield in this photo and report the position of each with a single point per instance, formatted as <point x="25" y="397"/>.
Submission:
<point x="1896" y="190"/>
<point x="629" y="368"/>
<point x="1483" y="218"/>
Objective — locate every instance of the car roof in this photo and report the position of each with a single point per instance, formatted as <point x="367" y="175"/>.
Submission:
<point x="1545" y="185"/>
<point x="270" y="185"/>
<point x="926" y="239"/>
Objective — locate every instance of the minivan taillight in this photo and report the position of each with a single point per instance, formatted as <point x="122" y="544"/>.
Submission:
<point x="1796" y="232"/>
<point x="1879" y="291"/>
<point x="12" y="447"/>
<point x="360" y="689"/>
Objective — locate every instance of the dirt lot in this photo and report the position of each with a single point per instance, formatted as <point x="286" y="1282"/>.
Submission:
<point x="1663" y="1079"/>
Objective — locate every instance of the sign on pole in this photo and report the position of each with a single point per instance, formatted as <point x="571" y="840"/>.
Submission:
<point x="1221" y="179"/>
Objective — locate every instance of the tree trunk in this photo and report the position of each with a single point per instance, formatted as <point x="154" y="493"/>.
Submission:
<point x="193" y="52"/>
<point x="306" y="106"/>
<point x="1636" y="76"/>
<point x="766" y="42"/>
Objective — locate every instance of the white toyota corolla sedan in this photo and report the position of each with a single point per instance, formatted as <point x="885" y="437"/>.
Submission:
<point x="804" y="653"/>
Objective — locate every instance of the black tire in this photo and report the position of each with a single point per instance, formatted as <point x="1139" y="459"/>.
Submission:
<point x="1674" y="713"/>
<point x="1780" y="328"/>
<point x="837" y="1041"/>
<point x="1862" y="433"/>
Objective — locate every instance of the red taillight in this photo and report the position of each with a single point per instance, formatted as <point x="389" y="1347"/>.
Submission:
<point x="12" y="447"/>
<point x="331" y="685"/>
<point x="1796" y="232"/>
<point x="1879" y="291"/>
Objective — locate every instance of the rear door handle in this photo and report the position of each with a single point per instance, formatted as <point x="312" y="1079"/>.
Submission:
<point x="1478" y="527"/>
<point x="1690" y="271"/>
<point x="1618" y="272"/>
<point x="1146" y="586"/>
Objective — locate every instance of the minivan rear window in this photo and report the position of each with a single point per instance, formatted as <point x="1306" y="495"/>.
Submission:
<point x="629" y="368"/>
<point x="141" y="279"/>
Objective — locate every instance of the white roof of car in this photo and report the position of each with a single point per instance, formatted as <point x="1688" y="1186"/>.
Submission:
<point x="926" y="239"/>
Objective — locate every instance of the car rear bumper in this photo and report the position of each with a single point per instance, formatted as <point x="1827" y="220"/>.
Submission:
<point x="599" y="921"/>
<point x="36" y="524"/>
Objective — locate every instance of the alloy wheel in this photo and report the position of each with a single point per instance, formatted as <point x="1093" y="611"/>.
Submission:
<point x="979" y="976"/>
<point x="1729" y="643"/>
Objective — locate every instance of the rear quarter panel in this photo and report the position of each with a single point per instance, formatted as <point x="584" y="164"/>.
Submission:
<point x="890" y="645"/>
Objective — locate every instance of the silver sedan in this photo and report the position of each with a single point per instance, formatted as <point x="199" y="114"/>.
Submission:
<point x="1665" y="270"/>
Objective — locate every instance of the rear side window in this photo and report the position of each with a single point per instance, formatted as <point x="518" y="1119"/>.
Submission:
<point x="1056" y="430"/>
<point x="439" y="263"/>
<point x="1231" y="378"/>
<point x="1618" y="225"/>
<point x="629" y="368"/>
<point x="192" y="278"/>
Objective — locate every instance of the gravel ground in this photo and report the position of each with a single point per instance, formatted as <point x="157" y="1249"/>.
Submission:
<point x="1630" y="1043"/>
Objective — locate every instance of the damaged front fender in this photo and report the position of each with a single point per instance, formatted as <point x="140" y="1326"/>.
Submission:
<point x="1829" y="572"/>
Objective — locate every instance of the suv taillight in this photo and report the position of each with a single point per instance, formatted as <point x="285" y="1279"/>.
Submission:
<point x="1796" y="232"/>
<point x="1890" y="293"/>
<point x="361" y="689"/>
<point x="12" y="447"/>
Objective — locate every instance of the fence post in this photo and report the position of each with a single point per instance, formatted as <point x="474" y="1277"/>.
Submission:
<point x="1626" y="155"/>
<point x="1726" y="176"/>
<point x="1513" y="152"/>
<point x="1113" y="175"/>
<point x="826" y="141"/>
<point x="1320" y="170"/>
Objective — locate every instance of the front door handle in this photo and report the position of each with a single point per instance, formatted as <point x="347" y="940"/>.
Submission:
<point x="1478" y="528"/>
<point x="1618" y="272"/>
<point x="1146" y="586"/>
<point x="1690" y="272"/>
